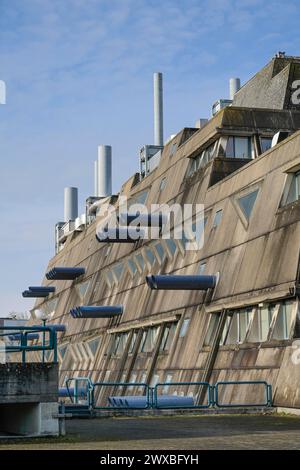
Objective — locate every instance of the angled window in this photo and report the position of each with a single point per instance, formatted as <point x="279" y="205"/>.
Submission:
<point x="212" y="328"/>
<point x="121" y="344"/>
<point x="150" y="256"/>
<point x="149" y="339"/>
<point x="202" y="159"/>
<point x="47" y="310"/>
<point x="162" y="184"/>
<point x="62" y="351"/>
<point x="239" y="326"/>
<point x="168" y="336"/>
<point x="217" y="219"/>
<point x="265" y="143"/>
<point x="292" y="189"/>
<point x="140" y="261"/>
<point x="140" y="198"/>
<point x="259" y="330"/>
<point x="132" y="266"/>
<point x="109" y="278"/>
<point x="132" y="343"/>
<point x="247" y="202"/>
<point x="238" y="147"/>
<point x="184" y="327"/>
<point x="82" y="288"/>
<point x="93" y="345"/>
<point x="118" y="271"/>
<point x="171" y="247"/>
<point x="283" y="323"/>
<point x="160" y="252"/>
<point x="225" y="330"/>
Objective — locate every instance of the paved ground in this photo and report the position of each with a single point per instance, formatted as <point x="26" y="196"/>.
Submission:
<point x="173" y="433"/>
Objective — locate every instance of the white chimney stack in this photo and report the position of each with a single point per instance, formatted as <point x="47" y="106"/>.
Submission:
<point x="104" y="188"/>
<point x="234" y="86"/>
<point x="158" y="109"/>
<point x="70" y="204"/>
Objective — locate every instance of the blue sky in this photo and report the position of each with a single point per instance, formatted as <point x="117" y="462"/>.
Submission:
<point x="79" y="73"/>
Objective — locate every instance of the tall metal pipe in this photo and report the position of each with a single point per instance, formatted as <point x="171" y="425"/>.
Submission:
<point x="158" y="109"/>
<point x="96" y="191"/>
<point x="234" y="86"/>
<point x="70" y="204"/>
<point x="104" y="171"/>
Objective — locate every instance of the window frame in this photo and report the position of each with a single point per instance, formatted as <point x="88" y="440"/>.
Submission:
<point x="250" y="146"/>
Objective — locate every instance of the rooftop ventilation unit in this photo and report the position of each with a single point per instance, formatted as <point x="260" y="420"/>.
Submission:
<point x="62" y="273"/>
<point x="170" y="282"/>
<point x="220" y="104"/>
<point x="97" y="311"/>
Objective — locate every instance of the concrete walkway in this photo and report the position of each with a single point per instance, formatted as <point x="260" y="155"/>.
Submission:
<point x="173" y="433"/>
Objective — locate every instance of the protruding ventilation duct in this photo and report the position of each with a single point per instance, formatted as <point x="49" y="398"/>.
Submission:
<point x="56" y="327"/>
<point x="177" y="282"/>
<point x="70" y="204"/>
<point x="104" y="171"/>
<point x="63" y="273"/>
<point x="106" y="311"/>
<point x="70" y="392"/>
<point x="38" y="291"/>
<point x="49" y="289"/>
<point x="234" y="86"/>
<point x="35" y="294"/>
<point x="158" y="109"/>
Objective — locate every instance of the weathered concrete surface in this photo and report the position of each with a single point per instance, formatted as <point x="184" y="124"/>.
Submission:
<point x="29" y="419"/>
<point x="29" y="398"/>
<point x="28" y="383"/>
<point x="174" y="433"/>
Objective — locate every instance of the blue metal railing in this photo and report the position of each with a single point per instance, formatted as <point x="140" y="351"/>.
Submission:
<point x="133" y="402"/>
<point x="267" y="392"/>
<point x="78" y="392"/>
<point x="152" y="399"/>
<point x="22" y="338"/>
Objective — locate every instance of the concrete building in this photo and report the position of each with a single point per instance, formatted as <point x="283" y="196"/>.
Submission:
<point x="245" y="329"/>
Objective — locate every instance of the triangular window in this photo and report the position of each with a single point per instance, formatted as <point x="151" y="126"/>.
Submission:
<point x="247" y="203"/>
